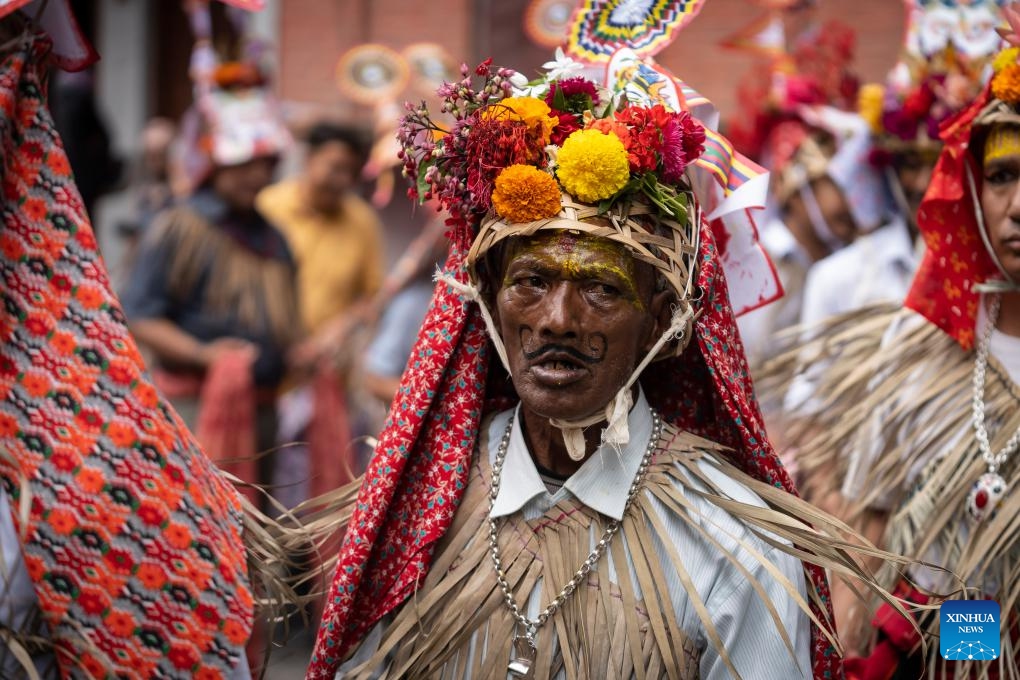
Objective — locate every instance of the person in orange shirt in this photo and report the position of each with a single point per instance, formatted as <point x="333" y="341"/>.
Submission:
<point x="335" y="235"/>
<point x="336" y="240"/>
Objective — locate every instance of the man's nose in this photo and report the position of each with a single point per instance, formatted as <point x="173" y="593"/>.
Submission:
<point x="1014" y="203"/>
<point x="559" y="314"/>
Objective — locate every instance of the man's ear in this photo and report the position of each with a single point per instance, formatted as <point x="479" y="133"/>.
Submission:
<point x="662" y="316"/>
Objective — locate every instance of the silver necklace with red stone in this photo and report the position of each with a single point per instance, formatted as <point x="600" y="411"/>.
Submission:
<point x="989" y="489"/>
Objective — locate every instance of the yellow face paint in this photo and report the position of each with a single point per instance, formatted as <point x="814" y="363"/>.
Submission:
<point x="1002" y="141"/>
<point x="579" y="257"/>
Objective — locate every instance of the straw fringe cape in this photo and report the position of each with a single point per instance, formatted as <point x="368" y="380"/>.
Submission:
<point x="891" y="364"/>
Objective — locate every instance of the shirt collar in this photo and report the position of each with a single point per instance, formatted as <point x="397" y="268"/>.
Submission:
<point x="893" y="244"/>
<point x="602" y="482"/>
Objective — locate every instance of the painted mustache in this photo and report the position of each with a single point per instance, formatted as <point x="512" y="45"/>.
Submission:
<point x="553" y="348"/>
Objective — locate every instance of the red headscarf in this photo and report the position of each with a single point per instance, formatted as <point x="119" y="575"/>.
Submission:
<point x="418" y="475"/>
<point x="955" y="258"/>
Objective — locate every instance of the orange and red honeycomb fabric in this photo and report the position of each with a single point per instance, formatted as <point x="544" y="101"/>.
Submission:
<point x="131" y="537"/>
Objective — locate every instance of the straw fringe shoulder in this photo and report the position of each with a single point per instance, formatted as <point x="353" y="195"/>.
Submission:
<point x="627" y="628"/>
<point x="891" y="407"/>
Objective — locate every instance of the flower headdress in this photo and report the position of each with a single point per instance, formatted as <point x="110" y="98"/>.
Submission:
<point x="519" y="157"/>
<point x="943" y="65"/>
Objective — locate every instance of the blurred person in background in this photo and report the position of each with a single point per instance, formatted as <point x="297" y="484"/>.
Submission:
<point x="334" y="234"/>
<point x="336" y="239"/>
<point x="213" y="291"/>
<point x="150" y="188"/>
<point x="403" y="313"/>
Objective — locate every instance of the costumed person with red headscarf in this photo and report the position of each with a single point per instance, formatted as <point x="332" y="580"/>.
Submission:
<point x="919" y="405"/>
<point x="125" y="551"/>
<point x="574" y="478"/>
<point x="941" y="69"/>
<point x="213" y="290"/>
<point x="824" y="193"/>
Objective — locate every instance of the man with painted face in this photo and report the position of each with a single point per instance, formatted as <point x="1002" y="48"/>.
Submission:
<point x="574" y="480"/>
<point x="922" y="402"/>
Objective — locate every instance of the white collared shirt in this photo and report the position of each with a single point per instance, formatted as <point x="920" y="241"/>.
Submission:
<point x="877" y="267"/>
<point x="741" y="618"/>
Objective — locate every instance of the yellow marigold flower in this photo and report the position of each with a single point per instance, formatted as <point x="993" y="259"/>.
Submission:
<point x="534" y="112"/>
<point x="1005" y="58"/>
<point x="1006" y="84"/>
<point x="524" y="193"/>
<point x="869" y="105"/>
<point x="593" y="166"/>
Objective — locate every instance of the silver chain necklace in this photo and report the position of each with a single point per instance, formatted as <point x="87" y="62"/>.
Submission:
<point x="524" y="646"/>
<point x="989" y="489"/>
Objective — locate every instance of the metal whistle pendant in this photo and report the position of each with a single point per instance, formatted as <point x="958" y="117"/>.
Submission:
<point x="522" y="659"/>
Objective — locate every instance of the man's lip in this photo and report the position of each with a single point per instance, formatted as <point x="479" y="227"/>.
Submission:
<point x="557" y="369"/>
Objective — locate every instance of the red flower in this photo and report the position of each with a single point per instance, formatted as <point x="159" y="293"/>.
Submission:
<point x="92" y="602"/>
<point x="86" y="238"/>
<point x="183" y="657"/>
<point x="38" y="325"/>
<point x="36" y="384"/>
<point x="152" y="576"/>
<point x="63" y="460"/>
<point x="236" y="631"/>
<point x="120" y="434"/>
<point x="90" y="419"/>
<point x="32" y="151"/>
<point x="64" y="343"/>
<point x="8" y="426"/>
<point x="178" y="536"/>
<point x="58" y="163"/>
<point x="208" y="615"/>
<point x="567" y="124"/>
<point x="61" y="283"/>
<point x="89" y="297"/>
<point x="90" y="480"/>
<point x="121" y="624"/>
<point x="151" y="514"/>
<point x="11" y="247"/>
<point x="121" y="372"/>
<point x="62" y="521"/>
<point x="120" y="560"/>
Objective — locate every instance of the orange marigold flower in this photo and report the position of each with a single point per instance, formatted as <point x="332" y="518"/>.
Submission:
<point x="524" y="194"/>
<point x="1006" y="84"/>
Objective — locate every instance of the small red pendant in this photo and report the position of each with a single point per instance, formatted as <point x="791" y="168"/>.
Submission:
<point x="985" y="496"/>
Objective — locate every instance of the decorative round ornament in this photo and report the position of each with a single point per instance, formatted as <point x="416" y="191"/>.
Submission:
<point x="371" y="73"/>
<point x="546" y="21"/>
<point x="600" y="27"/>
<point x="986" y="495"/>
<point x="430" y="66"/>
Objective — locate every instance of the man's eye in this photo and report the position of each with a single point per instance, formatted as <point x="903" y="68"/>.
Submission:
<point x="530" y="281"/>
<point x="1001" y="176"/>
<point x="606" y="289"/>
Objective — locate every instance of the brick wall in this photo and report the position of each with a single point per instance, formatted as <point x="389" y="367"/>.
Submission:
<point x="314" y="33"/>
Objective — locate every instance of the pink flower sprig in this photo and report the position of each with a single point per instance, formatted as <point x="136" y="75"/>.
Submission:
<point x="1011" y="13"/>
<point x="451" y="165"/>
